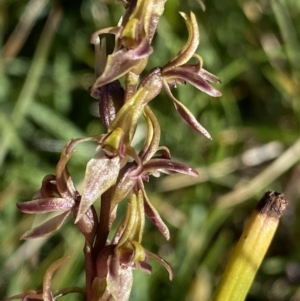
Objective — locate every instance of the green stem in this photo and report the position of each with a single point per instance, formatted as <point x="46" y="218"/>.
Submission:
<point x="251" y="249"/>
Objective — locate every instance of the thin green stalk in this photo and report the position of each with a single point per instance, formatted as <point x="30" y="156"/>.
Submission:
<point x="251" y="249"/>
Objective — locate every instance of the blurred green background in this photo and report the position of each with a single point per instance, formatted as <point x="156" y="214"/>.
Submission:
<point x="46" y="68"/>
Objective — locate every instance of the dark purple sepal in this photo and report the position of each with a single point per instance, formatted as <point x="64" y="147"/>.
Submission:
<point x="46" y="205"/>
<point x="182" y="73"/>
<point x="155" y="218"/>
<point x="162" y="261"/>
<point x="168" y="166"/>
<point x="186" y="114"/>
<point x="121" y="62"/>
<point x="47" y="228"/>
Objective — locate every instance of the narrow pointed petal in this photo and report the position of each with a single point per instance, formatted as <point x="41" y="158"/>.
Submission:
<point x="209" y="76"/>
<point x="140" y="220"/>
<point x="133" y="154"/>
<point x="162" y="261"/>
<point x="155" y="218"/>
<point x="186" y="114"/>
<point x="121" y="62"/>
<point x="109" y="30"/>
<point x="47" y="228"/>
<point x="144" y="266"/>
<point x="148" y="12"/>
<point x="47" y="294"/>
<point x="165" y="152"/>
<point x="184" y="74"/>
<point x="64" y="181"/>
<point x="191" y="45"/>
<point x="46" y="205"/>
<point x="69" y="290"/>
<point x="101" y="173"/>
<point x="201" y="4"/>
<point x="197" y="68"/>
<point x="169" y="166"/>
<point x="153" y="135"/>
<point x="157" y="10"/>
<point x="130" y="222"/>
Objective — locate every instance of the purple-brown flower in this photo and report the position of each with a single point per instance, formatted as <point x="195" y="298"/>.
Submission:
<point x="177" y="71"/>
<point x="118" y="169"/>
<point x="117" y="260"/>
<point x="134" y="35"/>
<point x="58" y="193"/>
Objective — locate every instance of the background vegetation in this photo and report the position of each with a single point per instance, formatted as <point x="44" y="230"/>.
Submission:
<point x="45" y="73"/>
